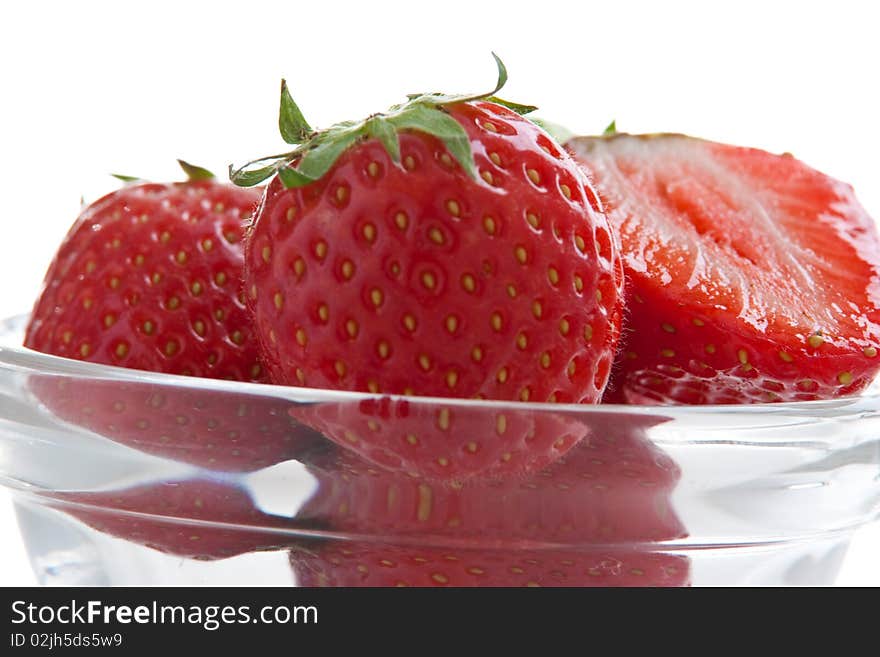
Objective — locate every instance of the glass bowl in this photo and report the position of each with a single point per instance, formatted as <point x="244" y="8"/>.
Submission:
<point x="123" y="477"/>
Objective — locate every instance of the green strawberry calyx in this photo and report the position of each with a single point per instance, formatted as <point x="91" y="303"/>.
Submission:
<point x="317" y="151"/>
<point x="193" y="173"/>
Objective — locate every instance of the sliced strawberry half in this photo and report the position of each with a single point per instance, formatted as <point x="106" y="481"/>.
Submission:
<point x="362" y="564"/>
<point x="751" y="276"/>
<point x="448" y="442"/>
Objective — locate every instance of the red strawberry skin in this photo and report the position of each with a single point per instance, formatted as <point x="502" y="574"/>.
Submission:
<point x="445" y="442"/>
<point x="361" y="565"/>
<point x="416" y="278"/>
<point x="615" y="486"/>
<point x="196" y="519"/>
<point x="751" y="277"/>
<point x="149" y="277"/>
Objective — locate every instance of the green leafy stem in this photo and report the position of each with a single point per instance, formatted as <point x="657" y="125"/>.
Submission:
<point x="193" y="173"/>
<point x="316" y="151"/>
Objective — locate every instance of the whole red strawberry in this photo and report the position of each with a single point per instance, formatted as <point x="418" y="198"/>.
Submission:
<point x="149" y="277"/>
<point x="446" y="248"/>
<point x="751" y="277"/>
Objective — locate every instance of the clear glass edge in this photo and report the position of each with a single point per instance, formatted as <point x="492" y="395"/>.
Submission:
<point x="680" y="544"/>
<point x="20" y="358"/>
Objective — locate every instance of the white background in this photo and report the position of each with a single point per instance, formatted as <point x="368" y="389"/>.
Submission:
<point x="93" y="88"/>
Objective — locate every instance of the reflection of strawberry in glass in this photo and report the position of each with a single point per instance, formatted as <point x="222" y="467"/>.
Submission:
<point x="597" y="516"/>
<point x="197" y="518"/>
<point x="367" y="564"/>
<point x="216" y="430"/>
<point x="751" y="277"/>
<point x="450" y="442"/>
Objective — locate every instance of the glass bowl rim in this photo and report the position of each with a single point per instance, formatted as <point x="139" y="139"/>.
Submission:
<point x="16" y="357"/>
